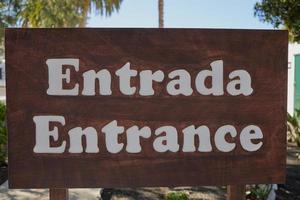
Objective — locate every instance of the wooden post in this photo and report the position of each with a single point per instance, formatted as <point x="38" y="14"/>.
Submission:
<point x="236" y="192"/>
<point x="59" y="194"/>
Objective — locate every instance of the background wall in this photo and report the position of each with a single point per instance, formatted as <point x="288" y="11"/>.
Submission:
<point x="293" y="50"/>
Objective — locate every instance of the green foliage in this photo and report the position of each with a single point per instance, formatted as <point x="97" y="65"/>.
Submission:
<point x="260" y="192"/>
<point x="284" y="13"/>
<point x="105" y="6"/>
<point x="50" y="13"/>
<point x="8" y="16"/>
<point x="177" y="196"/>
<point x="3" y="135"/>
<point x="293" y="127"/>
<point x="60" y="13"/>
<point x="8" y="12"/>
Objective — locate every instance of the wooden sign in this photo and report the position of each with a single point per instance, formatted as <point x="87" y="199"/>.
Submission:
<point x="145" y="107"/>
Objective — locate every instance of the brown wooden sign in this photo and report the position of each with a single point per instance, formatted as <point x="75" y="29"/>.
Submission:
<point x="145" y="107"/>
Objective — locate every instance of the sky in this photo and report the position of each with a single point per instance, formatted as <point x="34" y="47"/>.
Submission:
<point x="183" y="14"/>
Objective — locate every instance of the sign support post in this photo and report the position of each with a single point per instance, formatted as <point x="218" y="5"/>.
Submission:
<point x="236" y="192"/>
<point x="59" y="194"/>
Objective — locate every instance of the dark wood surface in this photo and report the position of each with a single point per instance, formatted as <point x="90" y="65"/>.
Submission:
<point x="262" y="53"/>
<point x="236" y="192"/>
<point x="59" y="194"/>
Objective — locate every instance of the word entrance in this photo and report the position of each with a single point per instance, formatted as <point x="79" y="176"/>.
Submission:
<point x="166" y="138"/>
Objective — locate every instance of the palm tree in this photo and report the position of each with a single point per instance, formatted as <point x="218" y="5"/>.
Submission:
<point x="99" y="6"/>
<point x="66" y="13"/>
<point x="161" y="13"/>
<point x="51" y="13"/>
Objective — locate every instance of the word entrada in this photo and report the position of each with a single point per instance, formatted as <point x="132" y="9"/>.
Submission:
<point x="165" y="137"/>
<point x="179" y="80"/>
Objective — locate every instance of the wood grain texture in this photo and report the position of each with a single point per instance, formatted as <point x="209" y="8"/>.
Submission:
<point x="236" y="192"/>
<point x="58" y="194"/>
<point x="262" y="53"/>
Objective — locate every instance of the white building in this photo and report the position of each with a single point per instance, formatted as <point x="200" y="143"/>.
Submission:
<point x="2" y="81"/>
<point x="293" y="77"/>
